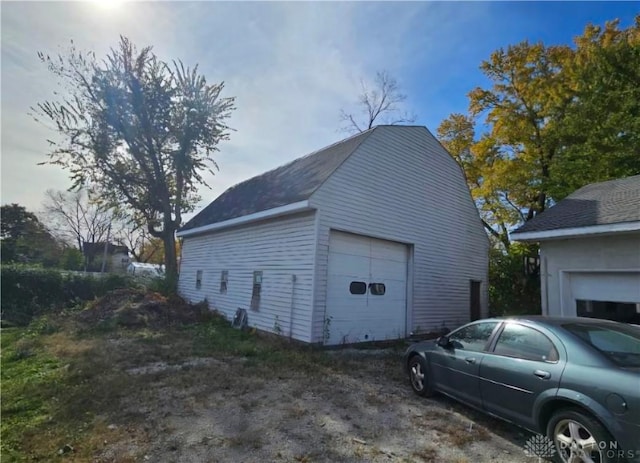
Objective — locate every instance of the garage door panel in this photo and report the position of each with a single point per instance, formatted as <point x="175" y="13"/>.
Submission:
<point x="618" y="287"/>
<point x="391" y="270"/>
<point x="388" y="251"/>
<point x="354" y="266"/>
<point x="346" y="243"/>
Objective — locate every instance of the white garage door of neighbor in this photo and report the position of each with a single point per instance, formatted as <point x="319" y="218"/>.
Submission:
<point x="600" y="286"/>
<point x="366" y="289"/>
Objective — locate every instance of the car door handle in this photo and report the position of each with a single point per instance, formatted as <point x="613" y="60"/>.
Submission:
<point x="470" y="360"/>
<point x="542" y="374"/>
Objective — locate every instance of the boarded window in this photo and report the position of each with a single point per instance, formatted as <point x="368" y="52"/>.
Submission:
<point x="224" y="280"/>
<point x="377" y="289"/>
<point x="257" y="288"/>
<point x="358" y="287"/>
<point x="199" y="279"/>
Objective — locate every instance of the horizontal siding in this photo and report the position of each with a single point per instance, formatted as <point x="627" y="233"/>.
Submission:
<point x="401" y="185"/>
<point x="280" y="248"/>
<point x="616" y="252"/>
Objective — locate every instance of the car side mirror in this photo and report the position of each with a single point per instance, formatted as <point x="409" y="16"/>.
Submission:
<point x="443" y="341"/>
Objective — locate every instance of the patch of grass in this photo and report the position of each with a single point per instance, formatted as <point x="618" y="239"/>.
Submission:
<point x="54" y="386"/>
<point x="296" y="411"/>
<point x="29" y="377"/>
<point x="218" y="337"/>
<point x="460" y="434"/>
<point x="427" y="454"/>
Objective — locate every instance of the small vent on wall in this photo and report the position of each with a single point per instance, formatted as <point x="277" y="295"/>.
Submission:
<point x="240" y="320"/>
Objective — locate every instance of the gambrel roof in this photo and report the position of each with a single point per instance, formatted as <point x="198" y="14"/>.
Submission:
<point x="287" y="184"/>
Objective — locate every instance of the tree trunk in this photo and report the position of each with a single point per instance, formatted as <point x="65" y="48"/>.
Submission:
<point x="170" y="258"/>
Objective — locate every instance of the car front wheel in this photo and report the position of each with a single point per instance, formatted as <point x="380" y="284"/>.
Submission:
<point x="577" y="437"/>
<point x="419" y="376"/>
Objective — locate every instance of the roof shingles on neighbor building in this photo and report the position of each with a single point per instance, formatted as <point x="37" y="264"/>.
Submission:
<point x="606" y="203"/>
<point x="288" y="184"/>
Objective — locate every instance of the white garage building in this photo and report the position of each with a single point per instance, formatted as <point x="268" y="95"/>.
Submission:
<point x="590" y="252"/>
<point x="371" y="238"/>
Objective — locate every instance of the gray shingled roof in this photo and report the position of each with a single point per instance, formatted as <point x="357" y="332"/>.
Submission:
<point x="615" y="201"/>
<point x="293" y="182"/>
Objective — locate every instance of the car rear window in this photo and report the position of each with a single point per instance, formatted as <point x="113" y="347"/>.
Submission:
<point x="621" y="344"/>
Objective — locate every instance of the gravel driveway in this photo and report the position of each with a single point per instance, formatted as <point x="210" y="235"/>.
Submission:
<point x="232" y="409"/>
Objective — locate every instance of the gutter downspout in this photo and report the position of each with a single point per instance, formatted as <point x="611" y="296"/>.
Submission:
<point x="293" y="288"/>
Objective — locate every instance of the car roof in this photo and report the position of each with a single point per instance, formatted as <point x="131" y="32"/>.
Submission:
<point x="558" y="321"/>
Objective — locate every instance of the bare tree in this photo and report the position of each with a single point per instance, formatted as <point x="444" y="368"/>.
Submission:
<point x="381" y="104"/>
<point x="135" y="236"/>
<point x="73" y="217"/>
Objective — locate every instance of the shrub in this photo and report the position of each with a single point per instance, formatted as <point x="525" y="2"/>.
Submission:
<point x="31" y="291"/>
<point x="162" y="285"/>
<point x="511" y="291"/>
<point x="71" y="259"/>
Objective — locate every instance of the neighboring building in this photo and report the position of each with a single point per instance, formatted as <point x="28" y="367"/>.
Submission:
<point x="590" y="252"/>
<point x="117" y="257"/>
<point x="371" y="238"/>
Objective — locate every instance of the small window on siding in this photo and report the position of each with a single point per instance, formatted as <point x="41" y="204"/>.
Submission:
<point x="358" y="287"/>
<point x="257" y="288"/>
<point x="377" y="289"/>
<point x="224" y="280"/>
<point x="199" y="279"/>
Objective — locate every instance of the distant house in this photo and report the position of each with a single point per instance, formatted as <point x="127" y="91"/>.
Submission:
<point x="117" y="257"/>
<point x="371" y="238"/>
<point x="590" y="252"/>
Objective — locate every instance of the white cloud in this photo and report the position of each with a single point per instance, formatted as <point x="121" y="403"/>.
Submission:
<point x="292" y="67"/>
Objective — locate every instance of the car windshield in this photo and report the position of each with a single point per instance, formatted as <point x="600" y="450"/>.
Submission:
<point x="621" y="344"/>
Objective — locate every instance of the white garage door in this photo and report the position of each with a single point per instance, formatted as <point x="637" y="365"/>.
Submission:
<point x="614" y="295"/>
<point x="366" y="289"/>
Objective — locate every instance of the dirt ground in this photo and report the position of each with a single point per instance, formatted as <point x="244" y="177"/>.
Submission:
<point x="141" y="378"/>
<point x="233" y="409"/>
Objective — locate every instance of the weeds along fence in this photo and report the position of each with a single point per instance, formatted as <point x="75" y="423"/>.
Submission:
<point x="31" y="291"/>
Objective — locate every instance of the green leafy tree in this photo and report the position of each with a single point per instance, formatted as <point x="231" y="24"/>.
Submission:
<point x="25" y="238"/>
<point x="138" y="131"/>
<point x="601" y="128"/>
<point x="71" y="259"/>
<point x="511" y="290"/>
<point x="528" y="98"/>
<point x="479" y="159"/>
<point x="554" y="119"/>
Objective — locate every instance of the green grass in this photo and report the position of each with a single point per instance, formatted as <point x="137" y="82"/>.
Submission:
<point x="50" y="393"/>
<point x="218" y="337"/>
<point x="30" y="378"/>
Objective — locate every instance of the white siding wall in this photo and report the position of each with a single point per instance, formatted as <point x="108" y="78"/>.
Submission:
<point x="621" y="252"/>
<point x="279" y="248"/>
<point x="401" y="185"/>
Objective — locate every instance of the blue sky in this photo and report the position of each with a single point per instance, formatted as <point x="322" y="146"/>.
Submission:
<point x="292" y="66"/>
